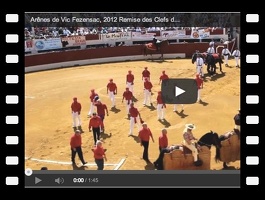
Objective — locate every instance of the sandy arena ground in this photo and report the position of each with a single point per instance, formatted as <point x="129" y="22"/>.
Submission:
<point x="48" y="119"/>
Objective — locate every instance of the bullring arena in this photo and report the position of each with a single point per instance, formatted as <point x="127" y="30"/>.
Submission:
<point x="48" y="120"/>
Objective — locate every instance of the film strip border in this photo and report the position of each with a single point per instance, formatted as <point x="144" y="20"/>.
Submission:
<point x="251" y="91"/>
<point x="12" y="93"/>
<point x="12" y="78"/>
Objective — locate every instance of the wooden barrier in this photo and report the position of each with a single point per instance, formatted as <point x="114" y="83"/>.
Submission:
<point x="176" y="160"/>
<point x="74" y="55"/>
<point x="230" y="150"/>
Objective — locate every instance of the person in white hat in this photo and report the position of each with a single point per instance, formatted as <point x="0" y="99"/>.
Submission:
<point x="189" y="140"/>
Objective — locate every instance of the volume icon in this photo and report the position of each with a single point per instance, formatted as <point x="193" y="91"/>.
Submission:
<point x="59" y="180"/>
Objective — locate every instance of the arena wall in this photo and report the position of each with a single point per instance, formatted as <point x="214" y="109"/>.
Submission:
<point x="44" y="61"/>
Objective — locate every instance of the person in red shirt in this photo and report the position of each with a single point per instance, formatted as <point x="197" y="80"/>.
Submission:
<point x="144" y="135"/>
<point x="102" y="110"/>
<point x="134" y="118"/>
<point x="128" y="96"/>
<point x="96" y="124"/>
<point x="130" y="80"/>
<point x="146" y="74"/>
<point x="163" y="76"/>
<point x="99" y="155"/>
<point x="93" y="96"/>
<point x="199" y="82"/>
<point x="76" y="110"/>
<point x="147" y="91"/>
<point x="112" y="91"/>
<point x="75" y="143"/>
<point x="163" y="140"/>
<point x="160" y="106"/>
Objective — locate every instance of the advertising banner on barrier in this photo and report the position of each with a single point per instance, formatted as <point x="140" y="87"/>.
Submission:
<point x="200" y="34"/>
<point x="116" y="36"/>
<point x="76" y="40"/>
<point x="142" y="35"/>
<point x="28" y="45"/>
<point x="173" y="34"/>
<point x="47" y="44"/>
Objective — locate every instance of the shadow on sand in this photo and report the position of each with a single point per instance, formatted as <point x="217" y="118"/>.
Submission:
<point x="75" y="167"/>
<point x="149" y="166"/>
<point x="151" y="107"/>
<point x="105" y="135"/>
<point x="136" y="138"/>
<point x="181" y="114"/>
<point x="115" y="110"/>
<point x="165" y="123"/>
<point x="203" y="103"/>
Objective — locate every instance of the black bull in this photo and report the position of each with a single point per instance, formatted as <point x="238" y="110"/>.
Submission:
<point x="210" y="61"/>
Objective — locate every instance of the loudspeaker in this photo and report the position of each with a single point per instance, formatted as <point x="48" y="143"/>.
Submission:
<point x="59" y="180"/>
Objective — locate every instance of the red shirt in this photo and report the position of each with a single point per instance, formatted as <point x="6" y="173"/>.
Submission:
<point x="92" y="96"/>
<point x="163" y="141"/>
<point x="128" y="95"/>
<point x="199" y="82"/>
<point x="148" y="85"/>
<point x="146" y="73"/>
<point x="145" y="134"/>
<point x="95" y="122"/>
<point x="163" y="77"/>
<point x="75" y="141"/>
<point x="98" y="152"/>
<point x="159" y="99"/>
<point x="76" y="107"/>
<point x="133" y="112"/>
<point x="112" y="87"/>
<point x="101" y="107"/>
<point x="130" y="78"/>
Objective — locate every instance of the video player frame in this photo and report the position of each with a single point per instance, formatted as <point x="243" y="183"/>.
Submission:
<point x="17" y="78"/>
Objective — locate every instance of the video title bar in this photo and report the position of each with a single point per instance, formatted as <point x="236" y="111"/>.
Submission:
<point x="133" y="19"/>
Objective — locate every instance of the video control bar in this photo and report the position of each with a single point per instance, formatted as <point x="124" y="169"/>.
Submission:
<point x="222" y="180"/>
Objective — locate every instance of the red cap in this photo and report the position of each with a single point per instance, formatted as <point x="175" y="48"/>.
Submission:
<point x="110" y="79"/>
<point x="74" y="98"/>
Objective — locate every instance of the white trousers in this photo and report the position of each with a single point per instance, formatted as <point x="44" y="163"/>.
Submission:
<point x="132" y="123"/>
<point x="160" y="111"/>
<point x="112" y="98"/>
<point x="226" y="60"/>
<point x="193" y="149"/>
<point x="128" y="105"/>
<point x="76" y="119"/>
<point x="199" y="95"/>
<point x="147" y="97"/>
<point x="199" y="70"/>
<point x="175" y="107"/>
<point x="130" y="86"/>
<point x="237" y="61"/>
<point x="91" y="110"/>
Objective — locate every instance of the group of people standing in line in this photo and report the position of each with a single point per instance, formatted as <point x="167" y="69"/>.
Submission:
<point x="96" y="124"/>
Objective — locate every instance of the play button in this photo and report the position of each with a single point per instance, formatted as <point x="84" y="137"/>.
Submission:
<point x="179" y="91"/>
<point x="37" y="180"/>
